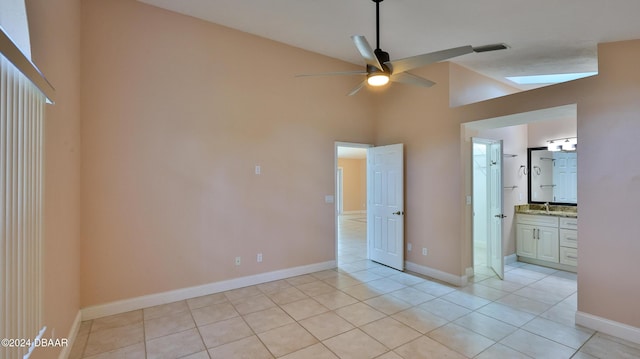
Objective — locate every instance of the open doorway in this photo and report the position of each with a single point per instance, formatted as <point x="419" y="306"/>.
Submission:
<point x="351" y="203"/>
<point x="519" y="132"/>
<point x="487" y="206"/>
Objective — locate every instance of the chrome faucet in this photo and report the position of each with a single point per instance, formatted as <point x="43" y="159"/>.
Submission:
<point x="546" y="206"/>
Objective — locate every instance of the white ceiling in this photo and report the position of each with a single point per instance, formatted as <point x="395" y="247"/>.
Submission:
<point x="545" y="36"/>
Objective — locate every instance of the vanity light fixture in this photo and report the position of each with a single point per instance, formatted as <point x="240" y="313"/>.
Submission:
<point x="553" y="146"/>
<point x="563" y="144"/>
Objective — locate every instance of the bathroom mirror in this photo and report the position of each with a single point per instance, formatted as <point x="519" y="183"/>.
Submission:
<point x="552" y="176"/>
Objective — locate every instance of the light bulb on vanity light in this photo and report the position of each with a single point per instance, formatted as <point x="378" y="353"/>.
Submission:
<point x="570" y="144"/>
<point x="554" y="146"/>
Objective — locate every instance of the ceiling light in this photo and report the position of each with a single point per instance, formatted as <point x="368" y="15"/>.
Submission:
<point x="378" y="79"/>
<point x="549" y="79"/>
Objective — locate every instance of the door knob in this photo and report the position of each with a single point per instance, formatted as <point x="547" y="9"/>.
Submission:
<point x="500" y="216"/>
<point x="399" y="213"/>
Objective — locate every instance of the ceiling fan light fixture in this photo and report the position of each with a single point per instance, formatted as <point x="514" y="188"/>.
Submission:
<point x="378" y="79"/>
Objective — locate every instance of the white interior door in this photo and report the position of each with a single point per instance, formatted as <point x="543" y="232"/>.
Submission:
<point x="496" y="214"/>
<point x="385" y="212"/>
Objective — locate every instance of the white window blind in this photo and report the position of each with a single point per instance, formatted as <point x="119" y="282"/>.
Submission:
<point x="21" y="206"/>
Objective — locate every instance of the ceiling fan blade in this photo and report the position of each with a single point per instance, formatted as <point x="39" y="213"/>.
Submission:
<point x="414" y="62"/>
<point x="338" y="73"/>
<point x="411" y="79"/>
<point x="357" y="88"/>
<point x="366" y="51"/>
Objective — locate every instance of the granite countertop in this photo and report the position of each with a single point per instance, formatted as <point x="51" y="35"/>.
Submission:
<point x="554" y="210"/>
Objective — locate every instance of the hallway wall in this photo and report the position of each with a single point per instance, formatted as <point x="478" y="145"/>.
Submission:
<point x="354" y="179"/>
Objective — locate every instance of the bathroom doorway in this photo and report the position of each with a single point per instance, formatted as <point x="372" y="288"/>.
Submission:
<point x="487" y="206"/>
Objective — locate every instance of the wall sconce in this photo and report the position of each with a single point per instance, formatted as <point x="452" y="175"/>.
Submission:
<point x="563" y="144"/>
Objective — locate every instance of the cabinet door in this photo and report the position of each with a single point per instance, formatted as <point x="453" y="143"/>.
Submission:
<point x="526" y="245"/>
<point x="548" y="244"/>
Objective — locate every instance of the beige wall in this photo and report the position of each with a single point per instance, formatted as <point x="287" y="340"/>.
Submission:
<point x="55" y="47"/>
<point x="609" y="185"/>
<point x="466" y="86"/>
<point x="542" y="131"/>
<point x="354" y="183"/>
<point x="176" y="114"/>
<point x="420" y="118"/>
<point x="437" y="172"/>
<point x="165" y="207"/>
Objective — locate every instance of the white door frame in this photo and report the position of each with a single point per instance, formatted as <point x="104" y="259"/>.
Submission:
<point x="339" y="191"/>
<point x="335" y="174"/>
<point x="496" y="205"/>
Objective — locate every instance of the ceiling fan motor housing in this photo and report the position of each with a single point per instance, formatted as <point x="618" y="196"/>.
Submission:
<point x="383" y="57"/>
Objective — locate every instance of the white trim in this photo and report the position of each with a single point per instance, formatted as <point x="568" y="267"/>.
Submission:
<point x="73" y="333"/>
<point x="511" y="258"/>
<point x="127" y="305"/>
<point x="607" y="326"/>
<point x="459" y="281"/>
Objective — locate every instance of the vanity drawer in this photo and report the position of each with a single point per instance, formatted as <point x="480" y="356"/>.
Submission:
<point x="568" y="238"/>
<point x="535" y="220"/>
<point x="569" y="223"/>
<point x="569" y="256"/>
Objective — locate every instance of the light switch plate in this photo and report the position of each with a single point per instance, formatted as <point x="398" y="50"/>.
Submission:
<point x="328" y="198"/>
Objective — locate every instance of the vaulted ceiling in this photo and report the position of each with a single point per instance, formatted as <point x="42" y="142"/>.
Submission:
<point x="545" y="36"/>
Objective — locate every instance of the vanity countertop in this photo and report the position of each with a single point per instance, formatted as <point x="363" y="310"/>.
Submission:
<point x="554" y="210"/>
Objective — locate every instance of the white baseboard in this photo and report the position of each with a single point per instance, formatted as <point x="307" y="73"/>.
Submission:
<point x="512" y="258"/>
<point x="459" y="281"/>
<point x="128" y="305"/>
<point x="73" y="333"/>
<point x="607" y="326"/>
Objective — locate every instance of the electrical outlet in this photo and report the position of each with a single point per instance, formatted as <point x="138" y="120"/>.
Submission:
<point x="237" y="261"/>
<point x="424" y="251"/>
<point x="258" y="169"/>
<point x="259" y="257"/>
<point x="409" y="247"/>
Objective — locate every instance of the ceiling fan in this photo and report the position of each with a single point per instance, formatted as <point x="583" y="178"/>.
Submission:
<point x="380" y="69"/>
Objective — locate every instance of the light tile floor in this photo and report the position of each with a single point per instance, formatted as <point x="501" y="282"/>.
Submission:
<point x="363" y="310"/>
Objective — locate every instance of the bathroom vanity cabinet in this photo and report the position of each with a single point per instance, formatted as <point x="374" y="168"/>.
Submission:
<point x="547" y="240"/>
